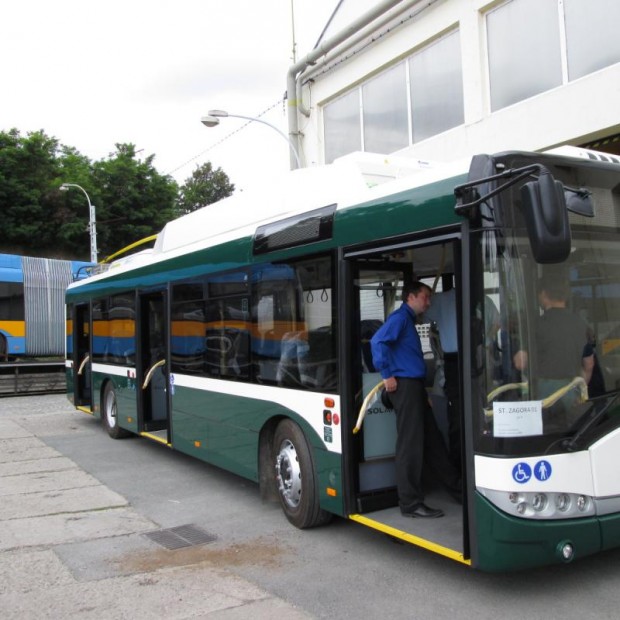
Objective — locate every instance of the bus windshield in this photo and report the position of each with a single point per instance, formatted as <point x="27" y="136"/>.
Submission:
<point x="551" y="332"/>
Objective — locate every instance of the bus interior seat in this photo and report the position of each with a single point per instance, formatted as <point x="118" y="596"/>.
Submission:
<point x="368" y="328"/>
<point x="321" y="366"/>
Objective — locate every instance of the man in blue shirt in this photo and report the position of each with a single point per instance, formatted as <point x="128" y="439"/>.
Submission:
<point x="397" y="355"/>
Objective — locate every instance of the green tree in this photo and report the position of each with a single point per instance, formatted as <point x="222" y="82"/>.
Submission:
<point x="37" y="219"/>
<point x="135" y="201"/>
<point x="204" y="187"/>
<point x="27" y="167"/>
<point x="132" y="200"/>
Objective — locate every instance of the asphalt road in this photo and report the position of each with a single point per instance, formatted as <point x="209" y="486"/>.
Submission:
<point x="256" y="564"/>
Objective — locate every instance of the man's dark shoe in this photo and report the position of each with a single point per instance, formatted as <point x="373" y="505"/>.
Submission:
<point x="423" y="511"/>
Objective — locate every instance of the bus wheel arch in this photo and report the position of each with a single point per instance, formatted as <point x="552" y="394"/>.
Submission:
<point x="294" y="476"/>
<point x="109" y="412"/>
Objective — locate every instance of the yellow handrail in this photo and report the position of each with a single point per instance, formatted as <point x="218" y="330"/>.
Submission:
<point x="149" y="374"/>
<point x="579" y="382"/>
<point x="364" y="407"/>
<point x="84" y="362"/>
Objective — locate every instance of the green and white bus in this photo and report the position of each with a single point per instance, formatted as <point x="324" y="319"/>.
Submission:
<point x="242" y="338"/>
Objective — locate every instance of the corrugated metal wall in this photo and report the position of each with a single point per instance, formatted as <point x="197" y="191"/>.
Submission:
<point x="45" y="282"/>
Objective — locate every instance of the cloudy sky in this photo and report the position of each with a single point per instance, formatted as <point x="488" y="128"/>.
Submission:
<point x="94" y="73"/>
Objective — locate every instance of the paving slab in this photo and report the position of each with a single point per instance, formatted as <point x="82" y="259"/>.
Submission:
<point x="60" y="501"/>
<point x="12" y="430"/>
<point x="72" y="547"/>
<point x="55" y="463"/>
<point x="35" y="482"/>
<point x="70" y="527"/>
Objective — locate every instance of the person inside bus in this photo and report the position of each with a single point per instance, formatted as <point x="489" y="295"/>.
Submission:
<point x="397" y="355"/>
<point x="562" y="340"/>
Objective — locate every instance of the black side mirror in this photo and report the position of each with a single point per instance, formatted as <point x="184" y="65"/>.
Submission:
<point x="546" y="218"/>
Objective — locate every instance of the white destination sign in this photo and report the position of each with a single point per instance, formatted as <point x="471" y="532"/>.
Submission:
<point x="518" y="419"/>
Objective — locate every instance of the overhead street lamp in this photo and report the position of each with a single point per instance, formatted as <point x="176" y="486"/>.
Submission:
<point x="213" y="119"/>
<point x="92" y="224"/>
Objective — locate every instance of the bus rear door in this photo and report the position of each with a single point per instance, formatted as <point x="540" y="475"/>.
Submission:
<point x="153" y="366"/>
<point x="82" y="362"/>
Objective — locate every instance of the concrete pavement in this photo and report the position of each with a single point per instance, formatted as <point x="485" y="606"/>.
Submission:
<point x="49" y="506"/>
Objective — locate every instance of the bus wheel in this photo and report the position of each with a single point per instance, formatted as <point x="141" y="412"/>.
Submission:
<point x="109" y="414"/>
<point x="295" y="477"/>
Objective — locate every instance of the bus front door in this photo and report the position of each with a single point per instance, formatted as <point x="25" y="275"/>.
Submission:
<point x="153" y="366"/>
<point x="374" y="283"/>
<point x="82" y="363"/>
<point x="377" y="287"/>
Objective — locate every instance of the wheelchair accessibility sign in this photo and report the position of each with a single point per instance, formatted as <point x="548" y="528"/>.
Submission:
<point x="522" y="472"/>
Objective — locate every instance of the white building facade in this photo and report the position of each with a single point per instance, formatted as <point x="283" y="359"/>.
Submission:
<point x="444" y="79"/>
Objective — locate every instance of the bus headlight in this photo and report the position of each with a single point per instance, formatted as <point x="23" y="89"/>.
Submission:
<point x="582" y="503"/>
<point x="537" y="505"/>
<point x="562" y="502"/>
<point x="539" y="502"/>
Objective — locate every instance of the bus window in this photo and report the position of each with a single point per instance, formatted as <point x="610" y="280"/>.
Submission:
<point x="293" y="343"/>
<point x="122" y="324"/>
<point x="549" y="337"/>
<point x="101" y="330"/>
<point x="188" y="329"/>
<point x="227" y="322"/>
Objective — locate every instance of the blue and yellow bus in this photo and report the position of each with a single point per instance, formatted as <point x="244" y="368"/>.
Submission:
<point x="242" y="337"/>
<point x="32" y="305"/>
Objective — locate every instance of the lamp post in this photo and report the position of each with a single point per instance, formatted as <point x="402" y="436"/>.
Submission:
<point x="92" y="224"/>
<point x="213" y="119"/>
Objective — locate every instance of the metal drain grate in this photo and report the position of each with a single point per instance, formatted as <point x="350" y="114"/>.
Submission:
<point x="181" y="536"/>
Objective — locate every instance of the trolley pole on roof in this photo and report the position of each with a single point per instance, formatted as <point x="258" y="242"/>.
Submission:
<point x="92" y="222"/>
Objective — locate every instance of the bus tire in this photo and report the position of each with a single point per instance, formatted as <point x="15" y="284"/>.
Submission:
<point x="109" y="414"/>
<point x="295" y="477"/>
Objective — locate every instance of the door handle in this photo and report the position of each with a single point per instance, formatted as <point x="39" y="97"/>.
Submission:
<point x="151" y="372"/>
<point x="84" y="362"/>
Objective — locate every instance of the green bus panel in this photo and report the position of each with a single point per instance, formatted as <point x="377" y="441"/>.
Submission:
<point x="126" y="399"/>
<point x="224" y="430"/>
<point x="610" y="531"/>
<point x="506" y="543"/>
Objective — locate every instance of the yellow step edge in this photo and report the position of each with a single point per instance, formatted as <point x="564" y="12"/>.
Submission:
<point x="410" y="538"/>
<point x="155" y="438"/>
<point x="85" y="410"/>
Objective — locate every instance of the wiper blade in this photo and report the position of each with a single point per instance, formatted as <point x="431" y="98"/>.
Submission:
<point x="589" y="420"/>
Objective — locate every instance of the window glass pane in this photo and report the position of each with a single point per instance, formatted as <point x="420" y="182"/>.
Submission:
<point x="122" y="330"/>
<point x="524" y="50"/>
<point x="591" y="35"/>
<point x="101" y="331"/>
<point x="68" y="331"/>
<point x="188" y="329"/>
<point x="341" y="121"/>
<point x="436" y="79"/>
<point x="385" y="112"/>
<point x="227" y="334"/>
<point x="12" y="301"/>
<point x="293" y="341"/>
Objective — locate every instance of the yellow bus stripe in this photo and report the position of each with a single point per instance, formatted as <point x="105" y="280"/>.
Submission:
<point x="17" y="329"/>
<point x="410" y="538"/>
